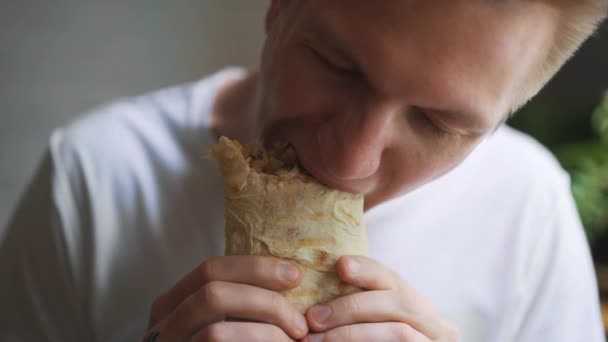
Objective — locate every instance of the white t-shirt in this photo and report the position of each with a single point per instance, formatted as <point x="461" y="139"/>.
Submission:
<point x="125" y="204"/>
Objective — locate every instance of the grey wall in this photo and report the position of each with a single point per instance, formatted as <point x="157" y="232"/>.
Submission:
<point x="60" y="57"/>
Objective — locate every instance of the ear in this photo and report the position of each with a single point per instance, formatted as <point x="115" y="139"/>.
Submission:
<point x="275" y="8"/>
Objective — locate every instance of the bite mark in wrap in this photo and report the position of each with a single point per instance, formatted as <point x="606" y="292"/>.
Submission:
<point x="273" y="208"/>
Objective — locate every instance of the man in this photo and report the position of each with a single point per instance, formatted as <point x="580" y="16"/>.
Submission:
<point x="377" y="98"/>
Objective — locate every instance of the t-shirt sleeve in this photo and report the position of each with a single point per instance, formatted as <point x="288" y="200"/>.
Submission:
<point x="559" y="299"/>
<point x="43" y="254"/>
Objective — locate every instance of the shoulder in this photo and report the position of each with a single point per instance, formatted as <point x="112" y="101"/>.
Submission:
<point x="128" y="152"/>
<point x="514" y="185"/>
<point x="524" y="153"/>
<point x="524" y="187"/>
<point x="125" y="174"/>
<point x="113" y="159"/>
<point x="518" y="169"/>
<point x="509" y="176"/>
<point x="532" y="194"/>
<point x="166" y="127"/>
<point x="179" y="113"/>
<point x="127" y="122"/>
<point x="554" y="270"/>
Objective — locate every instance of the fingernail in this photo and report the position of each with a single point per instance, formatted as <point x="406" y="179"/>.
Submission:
<point x="289" y="272"/>
<point x="314" y="338"/>
<point x="301" y="323"/>
<point x="320" y="313"/>
<point x="352" y="265"/>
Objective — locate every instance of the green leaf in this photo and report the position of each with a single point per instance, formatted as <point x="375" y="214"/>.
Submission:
<point x="573" y="155"/>
<point x="600" y="118"/>
<point x="590" y="190"/>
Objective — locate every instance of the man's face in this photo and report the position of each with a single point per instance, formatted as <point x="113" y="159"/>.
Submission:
<point x="379" y="97"/>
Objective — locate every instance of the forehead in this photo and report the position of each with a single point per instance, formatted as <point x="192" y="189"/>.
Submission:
<point x="466" y="55"/>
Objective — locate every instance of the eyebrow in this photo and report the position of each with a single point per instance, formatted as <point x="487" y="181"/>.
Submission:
<point x="322" y="32"/>
<point x="327" y="36"/>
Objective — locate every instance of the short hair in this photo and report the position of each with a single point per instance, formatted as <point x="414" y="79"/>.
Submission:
<point x="578" y="20"/>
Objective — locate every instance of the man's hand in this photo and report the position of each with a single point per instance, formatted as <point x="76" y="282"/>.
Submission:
<point x="232" y="298"/>
<point x="390" y="311"/>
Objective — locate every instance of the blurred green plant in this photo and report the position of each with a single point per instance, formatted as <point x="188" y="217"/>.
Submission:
<point x="600" y="119"/>
<point x="587" y="162"/>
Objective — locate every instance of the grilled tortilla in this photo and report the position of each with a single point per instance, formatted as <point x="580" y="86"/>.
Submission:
<point x="273" y="207"/>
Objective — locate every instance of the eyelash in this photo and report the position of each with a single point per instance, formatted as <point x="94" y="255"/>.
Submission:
<point x="429" y="123"/>
<point x="421" y="115"/>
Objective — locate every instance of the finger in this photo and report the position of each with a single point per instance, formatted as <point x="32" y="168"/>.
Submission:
<point x="367" y="273"/>
<point x="241" y="331"/>
<point x="388" y="331"/>
<point x="374" y="306"/>
<point x="217" y="300"/>
<point x="266" y="272"/>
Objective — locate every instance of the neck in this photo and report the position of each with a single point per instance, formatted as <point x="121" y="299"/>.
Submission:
<point x="232" y="111"/>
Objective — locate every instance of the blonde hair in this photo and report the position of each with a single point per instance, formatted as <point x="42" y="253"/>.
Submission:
<point x="578" y="20"/>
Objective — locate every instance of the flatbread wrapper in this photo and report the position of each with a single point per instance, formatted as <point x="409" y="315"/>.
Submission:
<point x="272" y="207"/>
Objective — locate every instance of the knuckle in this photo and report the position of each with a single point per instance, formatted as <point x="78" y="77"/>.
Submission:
<point x="279" y="306"/>
<point x="216" y="333"/>
<point x="275" y="334"/>
<point x="276" y="300"/>
<point x="211" y="295"/>
<point x="279" y="311"/>
<point x="401" y="284"/>
<point x="403" y="332"/>
<point x="431" y="309"/>
<point x="281" y="301"/>
<point x="402" y="300"/>
<point x="156" y="304"/>
<point x="157" y="308"/>
<point x="206" y="270"/>
<point x="452" y="334"/>
<point x="408" y="299"/>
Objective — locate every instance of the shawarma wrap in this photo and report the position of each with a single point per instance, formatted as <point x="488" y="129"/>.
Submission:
<point x="272" y="207"/>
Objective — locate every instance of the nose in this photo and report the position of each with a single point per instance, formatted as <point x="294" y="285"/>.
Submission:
<point x="352" y="142"/>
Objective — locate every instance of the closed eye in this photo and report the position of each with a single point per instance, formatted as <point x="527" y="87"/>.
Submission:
<point x="426" y="119"/>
